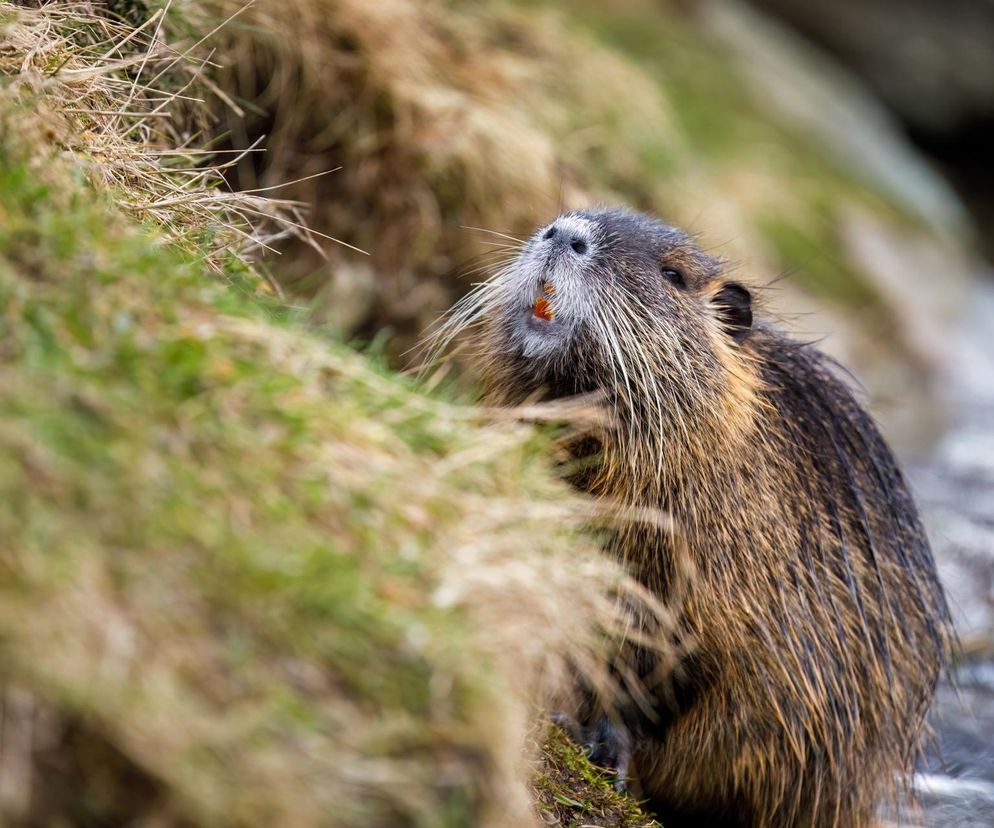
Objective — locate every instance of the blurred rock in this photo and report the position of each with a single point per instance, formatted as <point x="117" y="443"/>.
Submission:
<point x="931" y="62"/>
<point x="802" y="86"/>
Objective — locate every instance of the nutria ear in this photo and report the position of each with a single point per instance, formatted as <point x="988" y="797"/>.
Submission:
<point x="735" y="310"/>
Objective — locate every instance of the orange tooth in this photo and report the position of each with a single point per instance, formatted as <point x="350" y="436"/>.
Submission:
<point x="543" y="310"/>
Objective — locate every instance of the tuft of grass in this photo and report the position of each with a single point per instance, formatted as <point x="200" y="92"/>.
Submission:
<point x="107" y="86"/>
<point x="444" y="117"/>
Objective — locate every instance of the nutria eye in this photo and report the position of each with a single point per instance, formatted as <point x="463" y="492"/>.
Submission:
<point x="674" y="277"/>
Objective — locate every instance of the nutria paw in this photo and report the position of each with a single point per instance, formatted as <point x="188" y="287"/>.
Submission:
<point x="605" y="744"/>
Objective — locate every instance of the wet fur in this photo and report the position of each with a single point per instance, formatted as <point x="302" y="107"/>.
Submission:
<point x="798" y="565"/>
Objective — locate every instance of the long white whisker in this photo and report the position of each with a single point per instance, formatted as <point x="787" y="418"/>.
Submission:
<point x="520" y="242"/>
<point x="615" y="354"/>
<point x="483" y="296"/>
<point x="634" y="329"/>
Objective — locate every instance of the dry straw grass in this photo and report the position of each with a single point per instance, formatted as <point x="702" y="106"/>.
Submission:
<point x="133" y="110"/>
<point x="443" y="119"/>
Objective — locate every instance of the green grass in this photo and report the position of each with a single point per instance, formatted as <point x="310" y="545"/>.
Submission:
<point x="157" y="460"/>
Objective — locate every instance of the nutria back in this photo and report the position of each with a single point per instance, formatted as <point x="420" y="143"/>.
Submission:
<point x="797" y="561"/>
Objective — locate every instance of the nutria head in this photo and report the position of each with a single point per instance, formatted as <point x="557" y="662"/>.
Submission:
<point x="588" y="277"/>
<point x="612" y="301"/>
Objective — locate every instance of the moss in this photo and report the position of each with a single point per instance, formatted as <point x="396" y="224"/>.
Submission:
<point x="571" y="792"/>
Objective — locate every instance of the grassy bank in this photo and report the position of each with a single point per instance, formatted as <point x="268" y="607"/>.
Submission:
<point x="246" y="577"/>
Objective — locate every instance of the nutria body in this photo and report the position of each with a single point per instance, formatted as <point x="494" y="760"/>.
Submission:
<point x="819" y="626"/>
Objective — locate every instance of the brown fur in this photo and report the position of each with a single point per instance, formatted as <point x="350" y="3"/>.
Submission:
<point x="819" y="623"/>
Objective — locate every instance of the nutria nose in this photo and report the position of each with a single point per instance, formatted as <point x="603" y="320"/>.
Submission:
<point x="576" y="241"/>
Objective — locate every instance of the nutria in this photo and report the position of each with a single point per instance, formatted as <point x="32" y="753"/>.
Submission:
<point x="818" y="621"/>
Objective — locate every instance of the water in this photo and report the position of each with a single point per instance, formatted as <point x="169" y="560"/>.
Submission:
<point x="955" y="488"/>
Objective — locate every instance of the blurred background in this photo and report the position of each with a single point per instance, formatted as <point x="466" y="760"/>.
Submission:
<point x="836" y="151"/>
